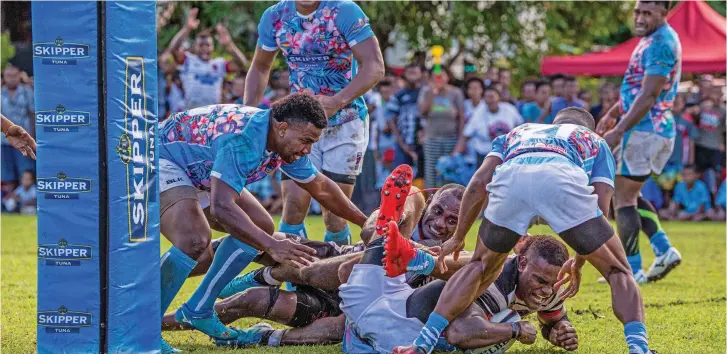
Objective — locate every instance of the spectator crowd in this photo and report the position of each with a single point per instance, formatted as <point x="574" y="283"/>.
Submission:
<point x="443" y="127"/>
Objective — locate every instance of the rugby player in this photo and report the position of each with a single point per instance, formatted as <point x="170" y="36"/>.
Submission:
<point x="207" y="156"/>
<point x="643" y="139"/>
<point x="18" y="137"/>
<point x="563" y="173"/>
<point x="331" y="52"/>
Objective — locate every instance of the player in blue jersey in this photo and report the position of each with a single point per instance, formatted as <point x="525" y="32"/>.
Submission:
<point x="207" y="156"/>
<point x="331" y="52"/>
<point x="563" y="173"/>
<point x="643" y="139"/>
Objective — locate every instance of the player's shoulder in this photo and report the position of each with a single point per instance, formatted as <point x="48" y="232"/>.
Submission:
<point x="665" y="37"/>
<point x="279" y="8"/>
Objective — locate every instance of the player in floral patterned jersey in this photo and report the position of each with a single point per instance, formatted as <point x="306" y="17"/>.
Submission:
<point x="563" y="173"/>
<point x="643" y="139"/>
<point x="207" y="156"/>
<point x="331" y="52"/>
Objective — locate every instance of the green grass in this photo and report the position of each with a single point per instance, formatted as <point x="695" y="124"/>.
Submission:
<point x="685" y="311"/>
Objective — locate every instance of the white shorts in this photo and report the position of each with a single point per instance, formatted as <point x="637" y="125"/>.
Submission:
<point x="641" y="153"/>
<point x="172" y="175"/>
<point x="375" y="308"/>
<point x="557" y="192"/>
<point x="341" y="149"/>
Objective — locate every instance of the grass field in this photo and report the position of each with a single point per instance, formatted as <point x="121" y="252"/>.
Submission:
<point x="685" y="312"/>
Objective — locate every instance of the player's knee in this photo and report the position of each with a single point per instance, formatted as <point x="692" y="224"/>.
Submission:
<point x="333" y="223"/>
<point x="196" y="243"/>
<point x="619" y="274"/>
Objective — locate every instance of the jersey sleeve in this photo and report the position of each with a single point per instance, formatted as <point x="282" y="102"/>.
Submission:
<point x="301" y="171"/>
<point x="604" y="166"/>
<point x="353" y="23"/>
<point x="234" y="162"/>
<point x="659" y="58"/>
<point x="266" y="31"/>
<point x="498" y="147"/>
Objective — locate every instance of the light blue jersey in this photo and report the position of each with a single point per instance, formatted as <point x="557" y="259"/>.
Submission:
<point x="317" y="48"/>
<point x="660" y="54"/>
<point x="228" y="142"/>
<point x="575" y="144"/>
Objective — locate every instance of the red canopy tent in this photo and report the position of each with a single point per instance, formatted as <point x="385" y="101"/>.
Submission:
<point x="701" y="31"/>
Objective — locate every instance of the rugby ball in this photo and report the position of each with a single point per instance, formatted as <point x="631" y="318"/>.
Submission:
<point x="507" y="316"/>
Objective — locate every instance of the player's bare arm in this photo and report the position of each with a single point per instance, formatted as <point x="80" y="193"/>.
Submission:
<point x="558" y="330"/>
<point x="331" y="197"/>
<point x="368" y="55"/>
<point x="18" y="138"/>
<point x="238" y="224"/>
<point x="651" y="88"/>
<point x="258" y="76"/>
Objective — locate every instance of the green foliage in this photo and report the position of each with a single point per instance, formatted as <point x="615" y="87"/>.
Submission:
<point x="7" y="50"/>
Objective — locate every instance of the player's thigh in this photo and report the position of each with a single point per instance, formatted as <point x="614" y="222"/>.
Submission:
<point x="296" y="201"/>
<point x="595" y="240"/>
<point x="627" y="190"/>
<point x="493" y="238"/>
<point x="183" y="222"/>
<point x="342" y="149"/>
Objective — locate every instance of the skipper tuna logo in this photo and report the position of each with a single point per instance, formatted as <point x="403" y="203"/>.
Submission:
<point x="63" y="254"/>
<point x="136" y="150"/>
<point x="60" y="52"/>
<point x="63" y="187"/>
<point x="62" y="120"/>
<point x="64" y="320"/>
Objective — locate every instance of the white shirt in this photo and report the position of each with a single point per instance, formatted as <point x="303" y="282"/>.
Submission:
<point x="484" y="126"/>
<point x="469" y="109"/>
<point x="202" y="80"/>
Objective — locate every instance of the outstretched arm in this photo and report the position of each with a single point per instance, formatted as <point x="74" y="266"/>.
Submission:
<point x="258" y="76"/>
<point x="331" y="197"/>
<point x="18" y="138"/>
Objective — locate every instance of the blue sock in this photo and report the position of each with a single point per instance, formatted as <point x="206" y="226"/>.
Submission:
<point x="422" y="263"/>
<point x="636" y="337"/>
<point x="342" y="237"/>
<point x="429" y="336"/>
<point x="634" y="262"/>
<point x="231" y="258"/>
<point x="659" y="243"/>
<point x="293" y="229"/>
<point x="175" y="268"/>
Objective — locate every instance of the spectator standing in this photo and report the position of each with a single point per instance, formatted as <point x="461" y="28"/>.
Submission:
<point x="23" y="198"/>
<point x="691" y="200"/>
<point x="710" y="141"/>
<point x="505" y="79"/>
<point x="18" y="105"/>
<point x="531" y="111"/>
<point x="238" y="88"/>
<point x="475" y="89"/>
<point x="607" y="98"/>
<point x="202" y="76"/>
<point x="683" y="152"/>
<point x="585" y="96"/>
<point x="492" y="75"/>
<point x="527" y="94"/>
<point x="569" y="99"/>
<point x="441" y="106"/>
<point x="487" y="123"/>
<point x="404" y="116"/>
<point x="557" y="82"/>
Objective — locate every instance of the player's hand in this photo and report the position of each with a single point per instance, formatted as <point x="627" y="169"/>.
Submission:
<point x="223" y="34"/>
<point x="21" y="140"/>
<point x="564" y="335"/>
<point x="452" y="246"/>
<point x="292" y="253"/>
<point x="613" y="137"/>
<point x="528" y="333"/>
<point x="192" y="21"/>
<point x="330" y="104"/>
<point x="570" y="272"/>
<point x="605" y="124"/>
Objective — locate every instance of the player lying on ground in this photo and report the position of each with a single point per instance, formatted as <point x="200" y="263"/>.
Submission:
<point x="208" y="155"/>
<point x="564" y="173"/>
<point x="316" y="295"/>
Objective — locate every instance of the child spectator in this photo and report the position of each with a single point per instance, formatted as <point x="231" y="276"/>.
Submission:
<point x="720" y="204"/>
<point x="691" y="200"/>
<point x="531" y="110"/>
<point x="23" y="198"/>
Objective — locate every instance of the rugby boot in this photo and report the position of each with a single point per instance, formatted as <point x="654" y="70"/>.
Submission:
<point x="393" y="196"/>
